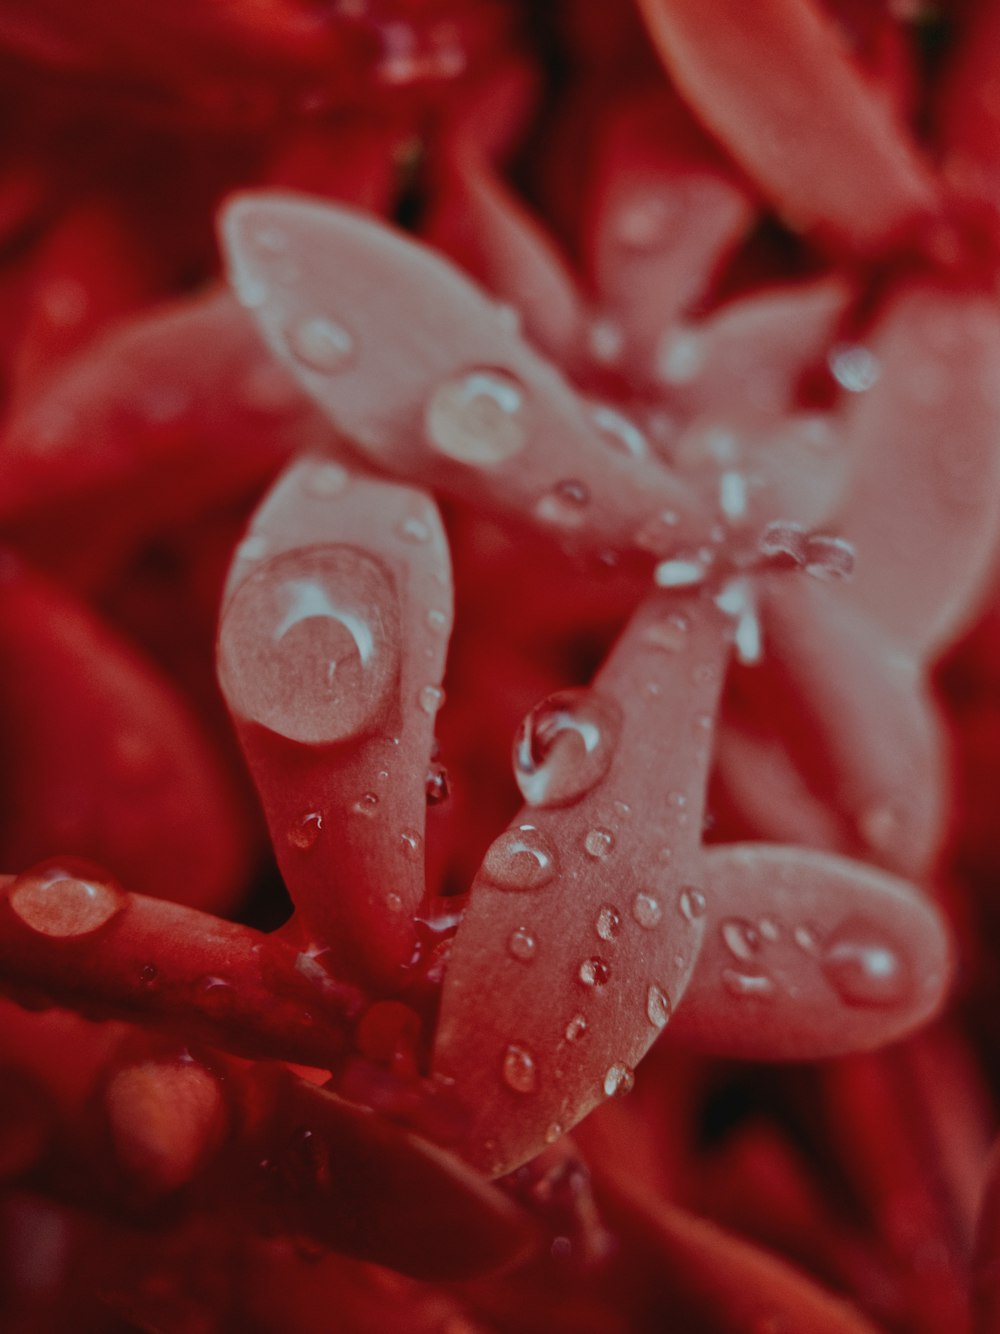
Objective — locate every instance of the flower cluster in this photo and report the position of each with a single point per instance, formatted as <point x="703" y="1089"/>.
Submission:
<point x="500" y="515"/>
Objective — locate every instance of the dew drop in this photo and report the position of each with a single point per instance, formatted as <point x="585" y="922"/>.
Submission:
<point x="783" y="541"/>
<point x="436" y="785"/>
<point x="553" y="1133"/>
<point x="478" y="418"/>
<point x="618" y="1081"/>
<point x="431" y="698"/>
<point x="829" y="557"/>
<point x="576" y="1028"/>
<point x="680" y="356"/>
<point x="854" y="367"/>
<point x="599" y="843"/>
<point x="608" y="922"/>
<point x="669" y="634"/>
<point x="521" y="945"/>
<point x="864" y="967"/>
<point x="565" y="505"/>
<point x="733" y="495"/>
<point x="620" y="433"/>
<point x="646" y="910"/>
<point x="679" y="573"/>
<point x="321" y="345"/>
<point x="521" y="858"/>
<point x="519" y="1071"/>
<point x="658" y="1007"/>
<point x="304" y="832"/>
<point x="411" y="843"/>
<point x="692" y="903"/>
<point x="594" y="972"/>
<point x="436" y="620"/>
<point x="65" y="899"/>
<point x="740" y="938"/>
<point x="565" y="746"/>
<point x="148" y="974"/>
<point x="769" y="929"/>
<point x="806" y="939"/>
<point x="309" y="645"/>
<point x="414" y="530"/>
<point x="742" y="985"/>
<point x="326" y="481"/>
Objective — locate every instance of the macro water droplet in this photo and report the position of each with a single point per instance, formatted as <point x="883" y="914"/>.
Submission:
<point x="148" y="974"/>
<point x="829" y="557"/>
<point x="670" y="633"/>
<point x="658" y="1007"/>
<point x="576" y="1028"/>
<point x="326" y="481"/>
<point x="692" y="903"/>
<point x="646" y="910"/>
<point x="618" y="1081"/>
<point x="769" y="929"/>
<point x="608" y="923"/>
<point x="478" y="418"/>
<point x="740" y="938"/>
<point x="65" y="899"/>
<point x="680" y="572"/>
<point x="431" y="698"/>
<point x="553" y="1133"/>
<point x="411" y="843"/>
<point x="594" y="972"/>
<point x="436" y="620"/>
<point x="783" y="541"/>
<point x="599" y="843"/>
<point x="680" y="356"/>
<point x="864" y="966"/>
<point x="854" y="367"/>
<point x="744" y="985"/>
<point x="521" y="858"/>
<point x="309" y="645"/>
<point x="304" y="832"/>
<point x="519" y="1071"/>
<point x="565" y="505"/>
<point x="366" y="804"/>
<point x="564" y="747"/>
<point x="436" y="785"/>
<point x="619" y="432"/>
<point x="733" y="494"/>
<point x="521" y="945"/>
<point x="320" y="344"/>
<point x="413" y="529"/>
<point x="806" y="939"/>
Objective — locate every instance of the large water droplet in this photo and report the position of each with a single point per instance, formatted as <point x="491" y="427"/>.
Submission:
<point x="309" y="645"/>
<point x="478" y="417"/>
<point x="864" y="967"/>
<point x="519" y="1071"/>
<point x="619" y="1080"/>
<point x="599" y="843"/>
<point x="565" y="746"/>
<point x="594" y="972"/>
<point x="521" y="945"/>
<point x="65" y="898"/>
<point x="658" y="1007"/>
<point x="321" y="345"/>
<point x="521" y="858"/>
<point x="608" y="923"/>
<point x="646" y="910"/>
<point x="854" y="367"/>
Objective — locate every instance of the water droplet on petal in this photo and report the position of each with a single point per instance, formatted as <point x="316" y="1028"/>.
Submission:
<point x="321" y="345"/>
<point x="304" y="832"/>
<point x="65" y="899"/>
<point x="854" y="367"/>
<point x="733" y="494"/>
<point x="646" y="910"/>
<point x="326" y="481"/>
<point x="478" y="418"/>
<point x="806" y="939"/>
<point x="309" y="645"/>
<point x="616" y="430"/>
<point x="599" y="843"/>
<point x="553" y="1133"/>
<point x="864" y="967"/>
<point x="692" y="903"/>
<point x="366" y="804"/>
<point x="769" y="929"/>
<point x="521" y="945"/>
<point x="743" y="985"/>
<point x="669" y="634"/>
<point x="414" y="530"/>
<point x="436" y="785"/>
<point x="431" y="699"/>
<point x="519" y="1071"/>
<point x="411" y="844"/>
<point x="740" y="938"/>
<point x="783" y="541"/>
<point x="521" y="858"/>
<point x="436" y="620"/>
<point x="608" y="922"/>
<point x="594" y="972"/>
<point x="829" y="557"/>
<point x="618" y="1081"/>
<point x="576" y="1028"/>
<point x="565" y="504"/>
<point x="658" y="1007"/>
<point x="565" y="746"/>
<point x="679" y="573"/>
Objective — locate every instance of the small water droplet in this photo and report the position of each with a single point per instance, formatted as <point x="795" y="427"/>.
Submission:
<point x="854" y="367"/>
<point x="576" y="1028"/>
<point x="742" y="985"/>
<point x="521" y="945"/>
<point x="829" y="557"/>
<point x="618" y="1081"/>
<point x="646" y="910"/>
<point x="605" y="340"/>
<point x="680" y="356"/>
<point x="309" y="645"/>
<point x="565" y="504"/>
<point x="658" y="1007"/>
<point x="436" y="785"/>
<point x="320" y="344"/>
<point x="148" y="974"/>
<point x="304" y="832"/>
<point x="366" y="804"/>
<point x="436" y="620"/>
<point x="608" y="922"/>
<point x="414" y="530"/>
<point x="806" y="939"/>
<point x="553" y="1133"/>
<point x="326" y="481"/>
<point x="519" y="1071"/>
<point x="864" y="967"/>
<point x="393" y="902"/>
<point x="65" y="899"/>
<point x="692" y="903"/>
<point x="740" y="938"/>
<point x="676" y="799"/>
<point x="594" y="972"/>
<point x="769" y="929"/>
<point x="565" y="746"/>
<point x="733" y="494"/>
<point x="253" y="547"/>
<point x="521" y="858"/>
<point x="679" y="573"/>
<point x="431" y="698"/>
<point x="783" y="541"/>
<point x="670" y="633"/>
<point x="599" y="843"/>
<point x="411" y="843"/>
<point x="478" y="418"/>
<point x="619" y="432"/>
